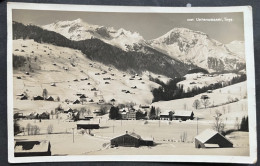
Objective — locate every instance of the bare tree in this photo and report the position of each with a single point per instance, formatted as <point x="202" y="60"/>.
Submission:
<point x="205" y="102"/>
<point x="196" y="104"/>
<point x="183" y="136"/>
<point x="218" y="125"/>
<point x="28" y="128"/>
<point x="44" y="93"/>
<point x="50" y="129"/>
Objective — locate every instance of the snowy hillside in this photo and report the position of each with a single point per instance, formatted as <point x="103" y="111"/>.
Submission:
<point x="72" y="73"/>
<point x="237" y="47"/>
<point x="198" y="48"/>
<point x="79" y="30"/>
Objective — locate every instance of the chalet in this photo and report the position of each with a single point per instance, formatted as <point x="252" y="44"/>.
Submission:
<point x="68" y="110"/>
<point x="127" y="91"/>
<point x="82" y="96"/>
<point x="183" y="115"/>
<point x="38" y="98"/>
<point x="93" y="89"/>
<point x="123" y="115"/>
<point x="75" y="80"/>
<point x="78" y="94"/>
<point x="89" y="84"/>
<point x="144" y="106"/>
<point x="112" y="74"/>
<point x="87" y="125"/>
<point x="165" y="116"/>
<point x="101" y="101"/>
<point x="32" y="148"/>
<point x="76" y="102"/>
<point x="53" y="84"/>
<point x="134" y="87"/>
<point x="140" y="79"/>
<point x="209" y="91"/>
<point x="19" y="77"/>
<point x="91" y="100"/>
<point x="24" y="98"/>
<point x="33" y="115"/>
<point x="131" y="79"/>
<point x="112" y="100"/>
<point x="177" y="115"/>
<point x="106" y="82"/>
<point x="131" y="114"/>
<point x="20" y="94"/>
<point x="211" y="139"/>
<point x="86" y="78"/>
<point x="131" y="140"/>
<point x="97" y="112"/>
<point x="50" y="98"/>
<point x="108" y="78"/>
<point x="204" y="97"/>
<point x="44" y="115"/>
<point x="18" y="115"/>
<point x="97" y="73"/>
<point x="27" y="73"/>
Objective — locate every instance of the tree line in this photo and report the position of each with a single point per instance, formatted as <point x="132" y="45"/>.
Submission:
<point x="172" y="91"/>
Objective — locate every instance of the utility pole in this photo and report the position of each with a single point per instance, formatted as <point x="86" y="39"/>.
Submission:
<point x="197" y="126"/>
<point x="73" y="134"/>
<point x="113" y="128"/>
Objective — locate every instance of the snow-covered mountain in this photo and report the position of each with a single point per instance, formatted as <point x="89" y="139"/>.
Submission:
<point x="80" y="30"/>
<point x="188" y="46"/>
<point x="237" y="47"/>
<point x="198" y="48"/>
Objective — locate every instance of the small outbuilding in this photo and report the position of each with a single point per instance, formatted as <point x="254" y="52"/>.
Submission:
<point x="212" y="139"/>
<point x="87" y="125"/>
<point x="32" y="148"/>
<point x="50" y="98"/>
<point x="38" y="98"/>
<point x="76" y="102"/>
<point x="24" y="98"/>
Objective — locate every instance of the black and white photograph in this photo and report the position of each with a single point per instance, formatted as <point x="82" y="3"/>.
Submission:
<point x="89" y="83"/>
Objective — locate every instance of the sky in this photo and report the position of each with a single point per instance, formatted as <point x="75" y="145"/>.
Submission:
<point x="149" y="25"/>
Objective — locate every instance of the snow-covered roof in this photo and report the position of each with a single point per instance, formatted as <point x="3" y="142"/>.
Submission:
<point x="207" y="134"/>
<point x="182" y="113"/>
<point x="86" y="122"/>
<point x="41" y="147"/>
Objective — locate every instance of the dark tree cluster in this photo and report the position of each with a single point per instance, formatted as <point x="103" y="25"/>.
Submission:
<point x="114" y="113"/>
<point x="244" y="124"/>
<point x="18" y="61"/>
<point x="172" y="91"/>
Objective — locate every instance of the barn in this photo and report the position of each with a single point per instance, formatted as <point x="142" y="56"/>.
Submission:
<point x="32" y="148"/>
<point x="87" y="125"/>
<point x="211" y="139"/>
<point x="38" y="98"/>
<point x="183" y="115"/>
<point x="131" y="140"/>
<point x="76" y="102"/>
<point x="50" y="98"/>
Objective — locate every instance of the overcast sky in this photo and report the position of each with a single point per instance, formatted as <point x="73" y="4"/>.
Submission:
<point x="150" y="26"/>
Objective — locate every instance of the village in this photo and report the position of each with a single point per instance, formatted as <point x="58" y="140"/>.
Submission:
<point x="61" y="98"/>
